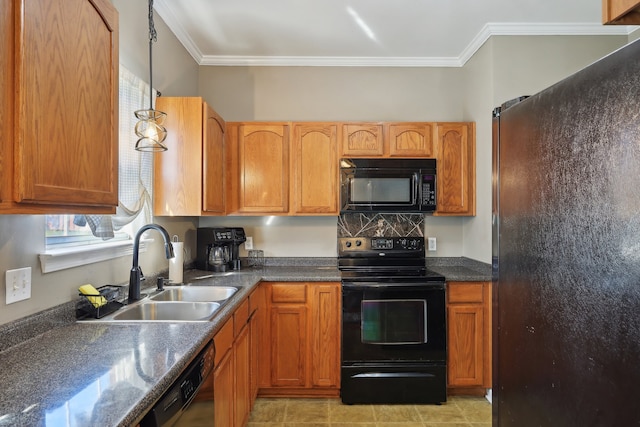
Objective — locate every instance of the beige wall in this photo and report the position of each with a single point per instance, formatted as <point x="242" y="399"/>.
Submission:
<point x="505" y="67"/>
<point x="328" y="93"/>
<point x="22" y="236"/>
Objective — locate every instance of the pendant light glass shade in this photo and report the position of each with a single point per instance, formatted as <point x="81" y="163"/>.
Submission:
<point x="149" y="129"/>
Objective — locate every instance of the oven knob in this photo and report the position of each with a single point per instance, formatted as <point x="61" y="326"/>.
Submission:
<point x="358" y="243"/>
<point x="348" y="244"/>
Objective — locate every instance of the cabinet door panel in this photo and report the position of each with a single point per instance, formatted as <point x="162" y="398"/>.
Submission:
<point x="325" y="335"/>
<point x="213" y="178"/>
<point x="288" y="349"/>
<point x="223" y="388"/>
<point x="362" y="140"/>
<point x="465" y="330"/>
<point x="67" y="103"/>
<point x="456" y="169"/>
<point x="410" y="140"/>
<point x="242" y="365"/>
<point x="264" y="168"/>
<point x="315" y="169"/>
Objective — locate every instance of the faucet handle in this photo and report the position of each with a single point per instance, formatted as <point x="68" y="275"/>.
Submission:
<point x="141" y="274"/>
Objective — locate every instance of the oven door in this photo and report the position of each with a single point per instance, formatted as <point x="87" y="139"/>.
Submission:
<point x="384" y="322"/>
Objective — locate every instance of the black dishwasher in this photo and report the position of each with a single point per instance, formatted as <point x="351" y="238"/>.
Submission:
<point x="174" y="402"/>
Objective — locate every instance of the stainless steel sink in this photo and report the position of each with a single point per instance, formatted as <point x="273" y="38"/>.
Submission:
<point x="152" y="311"/>
<point x="196" y="293"/>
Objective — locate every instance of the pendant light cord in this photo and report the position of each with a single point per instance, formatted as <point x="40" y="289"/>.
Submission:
<point x="153" y="37"/>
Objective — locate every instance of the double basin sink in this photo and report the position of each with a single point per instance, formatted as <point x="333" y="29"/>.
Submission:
<point x="187" y="303"/>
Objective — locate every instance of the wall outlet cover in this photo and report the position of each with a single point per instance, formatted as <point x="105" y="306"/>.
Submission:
<point x="431" y="244"/>
<point x="248" y="244"/>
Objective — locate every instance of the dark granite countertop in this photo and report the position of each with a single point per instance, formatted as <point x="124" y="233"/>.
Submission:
<point x="460" y="269"/>
<point x="111" y="374"/>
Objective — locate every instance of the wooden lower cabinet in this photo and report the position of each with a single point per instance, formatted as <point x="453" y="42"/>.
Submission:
<point x="242" y="355"/>
<point x="469" y="337"/>
<point x="301" y="352"/>
<point x="223" y="384"/>
<point x="234" y="384"/>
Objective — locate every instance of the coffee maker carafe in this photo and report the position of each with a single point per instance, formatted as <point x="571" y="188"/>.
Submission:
<point x="217" y="249"/>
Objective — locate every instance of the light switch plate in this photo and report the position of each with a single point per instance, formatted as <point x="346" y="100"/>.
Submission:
<point x="18" y="284"/>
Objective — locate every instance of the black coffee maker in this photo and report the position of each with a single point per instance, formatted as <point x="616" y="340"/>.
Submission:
<point x="217" y="248"/>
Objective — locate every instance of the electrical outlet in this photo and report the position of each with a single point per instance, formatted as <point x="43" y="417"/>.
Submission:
<point x="431" y="243"/>
<point x="18" y="284"/>
<point x="249" y="243"/>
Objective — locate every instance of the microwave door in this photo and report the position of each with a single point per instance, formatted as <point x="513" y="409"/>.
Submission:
<point x="382" y="189"/>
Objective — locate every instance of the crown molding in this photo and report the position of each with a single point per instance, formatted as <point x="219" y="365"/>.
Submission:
<point x="489" y="30"/>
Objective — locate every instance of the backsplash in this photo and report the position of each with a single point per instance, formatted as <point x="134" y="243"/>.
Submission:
<point x="380" y="225"/>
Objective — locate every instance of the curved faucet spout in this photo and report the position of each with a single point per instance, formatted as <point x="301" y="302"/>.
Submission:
<point x="135" y="274"/>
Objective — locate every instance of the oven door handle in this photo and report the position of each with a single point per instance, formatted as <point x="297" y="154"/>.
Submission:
<point x="393" y="375"/>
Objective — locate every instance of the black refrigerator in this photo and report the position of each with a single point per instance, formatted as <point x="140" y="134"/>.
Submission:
<point x="566" y="250"/>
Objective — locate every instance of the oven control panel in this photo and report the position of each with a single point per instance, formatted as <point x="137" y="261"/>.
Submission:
<point x="354" y="245"/>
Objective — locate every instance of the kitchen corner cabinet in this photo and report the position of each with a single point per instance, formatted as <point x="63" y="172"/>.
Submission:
<point x="456" y="171"/>
<point x="261" y="168"/>
<point x="621" y="12"/>
<point x="314" y="169"/>
<point x="59" y="106"/>
<point x="189" y="178"/>
<point x="469" y="336"/>
<point x="302" y="353"/>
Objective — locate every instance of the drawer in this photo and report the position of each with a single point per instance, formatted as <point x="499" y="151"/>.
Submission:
<point x="223" y="340"/>
<point x="240" y="317"/>
<point x="465" y="292"/>
<point x="288" y="293"/>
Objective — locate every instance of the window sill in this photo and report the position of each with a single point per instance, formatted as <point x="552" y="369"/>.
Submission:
<point x="76" y="256"/>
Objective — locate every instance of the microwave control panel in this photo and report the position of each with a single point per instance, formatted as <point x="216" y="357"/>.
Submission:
<point x="428" y="190"/>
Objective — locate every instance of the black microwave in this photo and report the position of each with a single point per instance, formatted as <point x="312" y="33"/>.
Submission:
<point x="387" y="185"/>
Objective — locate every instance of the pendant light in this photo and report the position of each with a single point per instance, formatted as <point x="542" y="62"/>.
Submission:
<point x="149" y="128"/>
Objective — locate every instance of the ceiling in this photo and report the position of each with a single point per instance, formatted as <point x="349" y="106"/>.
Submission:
<point x="442" y="33"/>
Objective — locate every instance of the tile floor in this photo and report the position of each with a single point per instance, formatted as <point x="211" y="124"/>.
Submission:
<point x="459" y="411"/>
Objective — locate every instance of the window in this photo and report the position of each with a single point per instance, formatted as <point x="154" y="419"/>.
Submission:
<point x="66" y="233"/>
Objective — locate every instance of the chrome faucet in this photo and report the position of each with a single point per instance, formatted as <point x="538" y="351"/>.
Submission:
<point x="136" y="273"/>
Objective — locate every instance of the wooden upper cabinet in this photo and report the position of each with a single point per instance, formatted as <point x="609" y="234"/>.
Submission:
<point x="189" y="176"/>
<point x="455" y="144"/>
<point x="362" y="140"/>
<point x="410" y="139"/>
<point x="314" y="169"/>
<point x="263" y="166"/>
<point x="621" y="12"/>
<point x="213" y="163"/>
<point x="401" y="139"/>
<point x="59" y="106"/>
